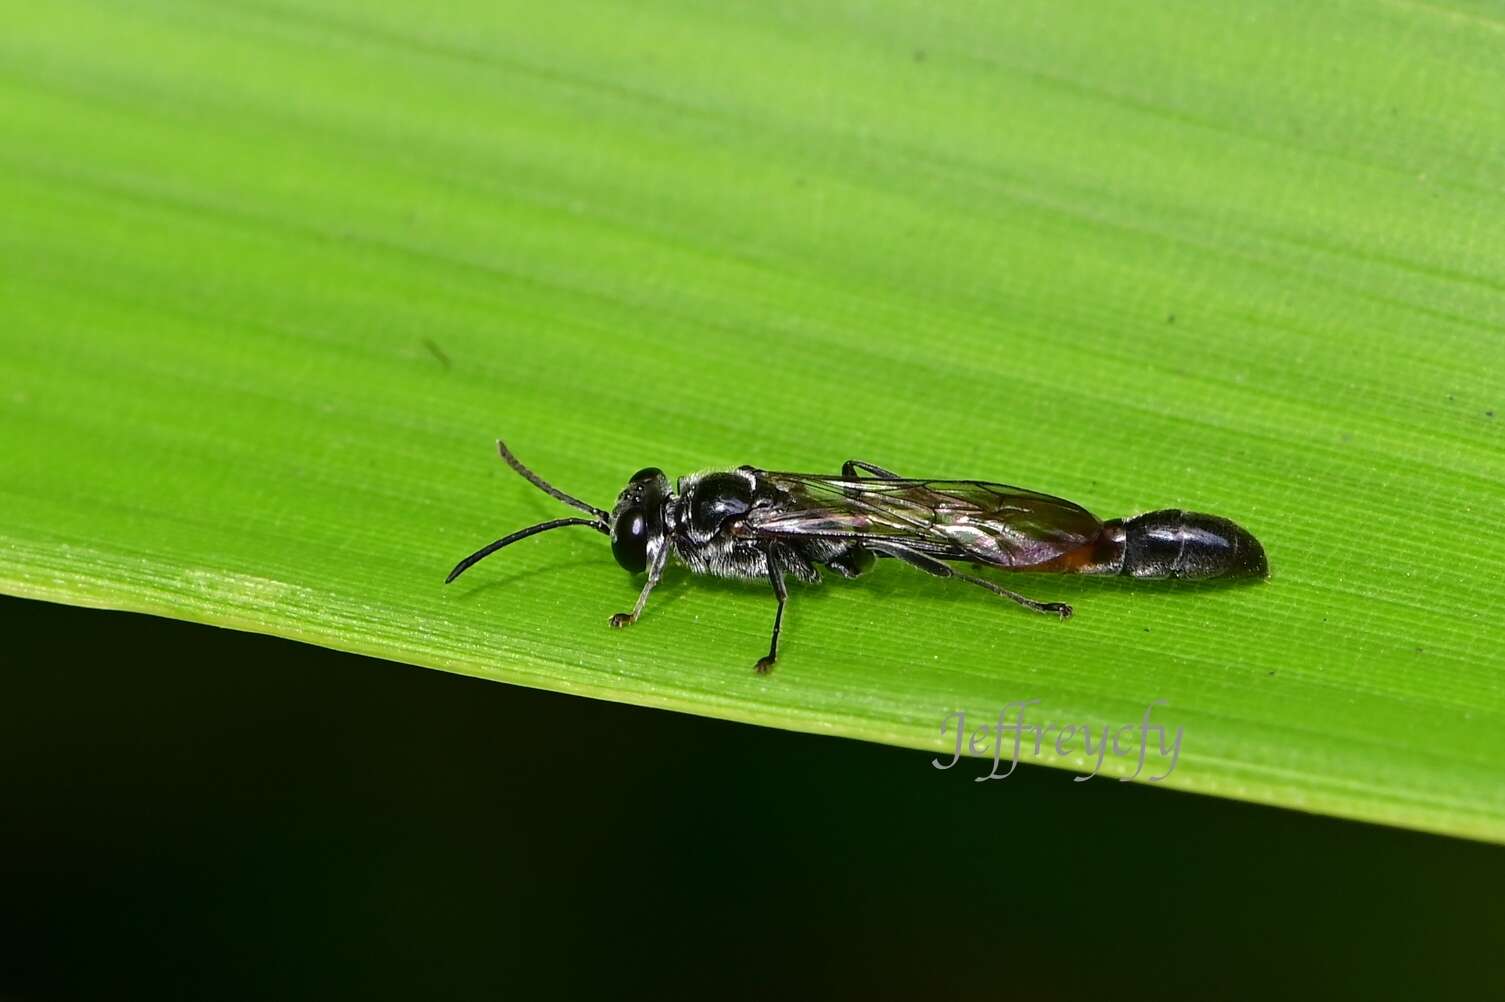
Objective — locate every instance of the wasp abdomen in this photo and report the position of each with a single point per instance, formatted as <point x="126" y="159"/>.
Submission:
<point x="1188" y="544"/>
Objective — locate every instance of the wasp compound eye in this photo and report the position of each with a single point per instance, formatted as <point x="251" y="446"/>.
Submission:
<point x="638" y="518"/>
<point x="629" y="540"/>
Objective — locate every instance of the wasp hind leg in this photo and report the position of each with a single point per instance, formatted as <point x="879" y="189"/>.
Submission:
<point x="850" y="467"/>
<point x="941" y="569"/>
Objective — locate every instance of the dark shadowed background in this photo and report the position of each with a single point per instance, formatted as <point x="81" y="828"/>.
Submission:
<point x="190" y="812"/>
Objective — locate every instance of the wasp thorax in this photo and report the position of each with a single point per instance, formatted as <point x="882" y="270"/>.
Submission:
<point x="718" y="497"/>
<point x="638" y="518"/>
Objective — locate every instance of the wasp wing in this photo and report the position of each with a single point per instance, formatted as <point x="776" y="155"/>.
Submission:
<point x="950" y="519"/>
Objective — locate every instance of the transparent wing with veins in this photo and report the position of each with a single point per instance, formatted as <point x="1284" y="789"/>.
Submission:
<point x="949" y="519"/>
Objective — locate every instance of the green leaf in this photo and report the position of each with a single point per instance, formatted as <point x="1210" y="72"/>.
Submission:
<point x="273" y="277"/>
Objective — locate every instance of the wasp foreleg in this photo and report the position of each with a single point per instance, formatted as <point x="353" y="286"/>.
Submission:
<point x="655" y="571"/>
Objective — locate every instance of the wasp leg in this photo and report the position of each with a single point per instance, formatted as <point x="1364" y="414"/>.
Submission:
<point x="783" y="560"/>
<point x="655" y="571"/>
<point x="850" y="467"/>
<point x="781" y="592"/>
<point x="941" y="569"/>
<point x="852" y="563"/>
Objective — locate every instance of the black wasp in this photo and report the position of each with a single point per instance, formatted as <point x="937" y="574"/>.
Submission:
<point x="751" y="523"/>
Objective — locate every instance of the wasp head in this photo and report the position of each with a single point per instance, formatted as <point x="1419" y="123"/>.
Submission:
<point x="637" y="520"/>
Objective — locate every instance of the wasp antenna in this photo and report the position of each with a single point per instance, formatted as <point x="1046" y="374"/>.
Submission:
<point x="545" y="486"/>
<point x="531" y="530"/>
